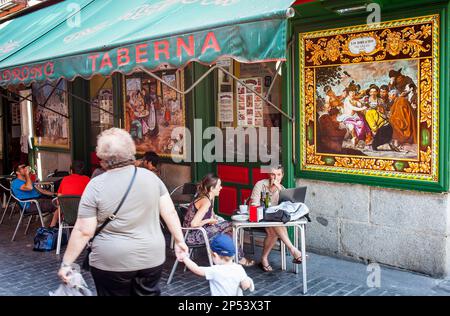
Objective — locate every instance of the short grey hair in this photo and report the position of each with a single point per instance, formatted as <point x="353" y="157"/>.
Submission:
<point x="394" y="92"/>
<point x="115" y="146"/>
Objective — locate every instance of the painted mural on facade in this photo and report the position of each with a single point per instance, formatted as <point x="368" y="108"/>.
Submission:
<point x="369" y="99"/>
<point x="153" y="111"/>
<point x="51" y="115"/>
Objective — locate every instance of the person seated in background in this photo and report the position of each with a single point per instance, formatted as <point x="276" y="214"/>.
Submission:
<point x="273" y="186"/>
<point x="73" y="184"/>
<point x="98" y="171"/>
<point x="150" y="161"/>
<point x="24" y="189"/>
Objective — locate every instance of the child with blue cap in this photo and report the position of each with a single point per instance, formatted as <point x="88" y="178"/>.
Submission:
<point x="226" y="278"/>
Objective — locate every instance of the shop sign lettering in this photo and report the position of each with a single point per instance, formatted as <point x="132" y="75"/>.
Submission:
<point x="162" y="50"/>
<point x="35" y="72"/>
<point x="362" y="45"/>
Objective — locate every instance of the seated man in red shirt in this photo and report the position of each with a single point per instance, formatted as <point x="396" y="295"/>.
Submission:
<point x="74" y="184"/>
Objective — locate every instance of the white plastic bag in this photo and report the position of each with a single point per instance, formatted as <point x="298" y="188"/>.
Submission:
<point x="76" y="287"/>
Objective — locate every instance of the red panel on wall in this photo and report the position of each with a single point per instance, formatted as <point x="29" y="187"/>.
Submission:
<point x="233" y="174"/>
<point x="228" y="200"/>
<point x="257" y="175"/>
<point x="302" y="1"/>
<point x="245" y="193"/>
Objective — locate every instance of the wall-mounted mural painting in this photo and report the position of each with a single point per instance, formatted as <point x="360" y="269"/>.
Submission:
<point x="369" y="99"/>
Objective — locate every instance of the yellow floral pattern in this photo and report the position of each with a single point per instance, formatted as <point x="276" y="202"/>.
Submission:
<point x="409" y="41"/>
<point x="424" y="166"/>
<point x="362" y="163"/>
<point x="311" y="157"/>
<point x="426" y="100"/>
<point x="309" y="95"/>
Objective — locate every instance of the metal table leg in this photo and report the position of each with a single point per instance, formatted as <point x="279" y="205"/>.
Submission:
<point x="295" y="266"/>
<point x="236" y="243"/>
<point x="303" y="241"/>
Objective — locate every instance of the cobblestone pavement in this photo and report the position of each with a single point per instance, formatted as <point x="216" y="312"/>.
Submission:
<point x="25" y="272"/>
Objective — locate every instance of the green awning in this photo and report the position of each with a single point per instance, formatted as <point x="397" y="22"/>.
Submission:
<point x="18" y="33"/>
<point x="125" y="36"/>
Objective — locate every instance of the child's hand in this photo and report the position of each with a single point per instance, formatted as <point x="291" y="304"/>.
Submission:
<point x="181" y="250"/>
<point x="247" y="284"/>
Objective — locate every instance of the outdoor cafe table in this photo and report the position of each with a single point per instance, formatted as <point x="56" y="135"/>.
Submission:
<point x="300" y="224"/>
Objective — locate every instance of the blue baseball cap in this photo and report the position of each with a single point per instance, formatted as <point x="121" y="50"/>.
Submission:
<point x="223" y="245"/>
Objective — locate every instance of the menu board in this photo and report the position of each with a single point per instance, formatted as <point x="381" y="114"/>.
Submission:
<point x="250" y="106"/>
<point x="15" y="113"/>
<point x="226" y="113"/>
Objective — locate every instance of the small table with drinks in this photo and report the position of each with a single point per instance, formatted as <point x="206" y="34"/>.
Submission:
<point x="255" y="219"/>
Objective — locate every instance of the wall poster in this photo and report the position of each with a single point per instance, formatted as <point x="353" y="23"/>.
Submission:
<point x="51" y="123"/>
<point x="250" y="106"/>
<point x="369" y="99"/>
<point x="153" y="111"/>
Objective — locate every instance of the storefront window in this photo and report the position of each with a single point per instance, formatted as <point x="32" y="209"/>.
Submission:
<point x="153" y="110"/>
<point x="239" y="106"/>
<point x="102" y="109"/>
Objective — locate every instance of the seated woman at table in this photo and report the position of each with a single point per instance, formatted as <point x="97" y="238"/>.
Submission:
<point x="201" y="214"/>
<point x="273" y="186"/>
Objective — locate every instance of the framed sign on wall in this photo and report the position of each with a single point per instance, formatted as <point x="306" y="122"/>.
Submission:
<point x="369" y="100"/>
<point x="51" y="115"/>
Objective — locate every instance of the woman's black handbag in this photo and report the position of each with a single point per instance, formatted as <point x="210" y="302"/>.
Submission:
<point x="85" y="265"/>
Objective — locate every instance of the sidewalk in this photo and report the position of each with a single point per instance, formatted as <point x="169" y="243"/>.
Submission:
<point x="26" y="272"/>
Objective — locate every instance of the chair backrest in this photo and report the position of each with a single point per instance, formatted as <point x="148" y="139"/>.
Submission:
<point x="58" y="174"/>
<point x="293" y="195"/>
<point x="182" y="211"/>
<point x="69" y="208"/>
<point x="189" y="188"/>
<point x="3" y="187"/>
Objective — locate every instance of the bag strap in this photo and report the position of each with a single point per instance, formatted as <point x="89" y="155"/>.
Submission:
<point x="113" y="216"/>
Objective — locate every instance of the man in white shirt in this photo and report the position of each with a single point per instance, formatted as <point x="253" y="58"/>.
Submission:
<point x="273" y="186"/>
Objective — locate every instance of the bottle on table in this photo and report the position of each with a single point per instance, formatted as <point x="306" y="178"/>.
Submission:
<point x="267" y="201"/>
<point x="263" y="199"/>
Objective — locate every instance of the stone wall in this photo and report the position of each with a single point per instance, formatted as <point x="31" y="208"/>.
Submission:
<point x="405" y="229"/>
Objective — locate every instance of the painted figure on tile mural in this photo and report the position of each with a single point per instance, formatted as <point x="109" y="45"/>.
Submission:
<point x="402" y="119"/>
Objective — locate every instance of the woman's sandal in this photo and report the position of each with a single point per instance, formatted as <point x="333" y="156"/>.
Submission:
<point x="267" y="268"/>
<point x="298" y="260"/>
<point x="247" y="263"/>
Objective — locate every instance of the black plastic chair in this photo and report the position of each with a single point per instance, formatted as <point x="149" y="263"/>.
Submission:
<point x="68" y="206"/>
<point x="6" y="197"/>
<point x="187" y="189"/>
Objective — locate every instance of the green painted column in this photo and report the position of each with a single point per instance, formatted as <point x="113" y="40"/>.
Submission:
<point x="80" y="122"/>
<point x="201" y="106"/>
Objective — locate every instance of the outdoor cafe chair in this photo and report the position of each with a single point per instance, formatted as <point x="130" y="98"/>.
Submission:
<point x="24" y="213"/>
<point x="68" y="208"/>
<point x="189" y="189"/>
<point x="181" y="213"/>
<point x="6" y="201"/>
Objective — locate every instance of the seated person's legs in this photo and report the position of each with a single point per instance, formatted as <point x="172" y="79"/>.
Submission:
<point x="55" y="218"/>
<point x="283" y="234"/>
<point x="269" y="243"/>
<point x="45" y="205"/>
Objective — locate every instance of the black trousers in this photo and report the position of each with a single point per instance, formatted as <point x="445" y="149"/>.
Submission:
<point x="134" y="283"/>
<point x="383" y="136"/>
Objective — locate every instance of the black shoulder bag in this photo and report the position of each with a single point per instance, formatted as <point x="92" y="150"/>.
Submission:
<point x="85" y="265"/>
